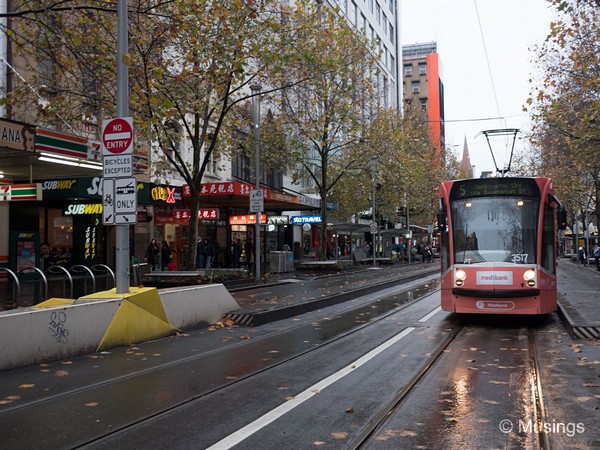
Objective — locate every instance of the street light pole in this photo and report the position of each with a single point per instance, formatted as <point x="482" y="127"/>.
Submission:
<point x="373" y="160"/>
<point x="256" y="88"/>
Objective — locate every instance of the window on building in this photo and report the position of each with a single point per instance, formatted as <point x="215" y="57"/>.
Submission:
<point x="371" y="5"/>
<point x="393" y="66"/>
<point x="392" y="38"/>
<point x="416" y="87"/>
<point x="354" y="13"/>
<point x="423" y="103"/>
<point x="385" y="24"/>
<point x="378" y="12"/>
<point x="408" y="70"/>
<point x="391" y="6"/>
<point x="364" y="23"/>
<point x="241" y="168"/>
<point x="422" y="69"/>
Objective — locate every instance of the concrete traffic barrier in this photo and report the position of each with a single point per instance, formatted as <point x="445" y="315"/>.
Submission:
<point x="58" y="329"/>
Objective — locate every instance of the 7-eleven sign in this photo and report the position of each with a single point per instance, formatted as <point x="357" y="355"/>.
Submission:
<point x="5" y="193"/>
<point x="21" y="192"/>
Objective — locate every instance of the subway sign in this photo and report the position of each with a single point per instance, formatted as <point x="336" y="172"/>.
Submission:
<point x="82" y="208"/>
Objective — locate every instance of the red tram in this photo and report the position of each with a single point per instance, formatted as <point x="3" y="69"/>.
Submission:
<point x="498" y="245"/>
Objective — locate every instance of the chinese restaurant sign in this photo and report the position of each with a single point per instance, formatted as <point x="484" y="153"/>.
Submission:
<point x="182" y="216"/>
<point x="247" y="219"/>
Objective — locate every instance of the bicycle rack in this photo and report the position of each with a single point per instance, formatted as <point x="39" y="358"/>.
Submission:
<point x="99" y="267"/>
<point x="43" y="277"/>
<point x="57" y="270"/>
<point x="80" y="268"/>
<point x="16" y="285"/>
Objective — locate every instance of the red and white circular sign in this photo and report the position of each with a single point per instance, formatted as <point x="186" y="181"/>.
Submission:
<point x="117" y="136"/>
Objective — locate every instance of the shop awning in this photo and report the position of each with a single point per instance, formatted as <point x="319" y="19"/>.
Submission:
<point x="350" y="228"/>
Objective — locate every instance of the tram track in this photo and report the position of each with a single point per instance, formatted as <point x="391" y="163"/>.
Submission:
<point x="536" y="426"/>
<point x="539" y="407"/>
<point x="362" y="440"/>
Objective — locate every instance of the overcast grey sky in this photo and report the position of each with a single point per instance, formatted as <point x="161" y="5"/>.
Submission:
<point x="510" y="28"/>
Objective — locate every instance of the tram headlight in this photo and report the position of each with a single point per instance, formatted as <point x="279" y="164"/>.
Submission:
<point x="459" y="277"/>
<point x="529" y="277"/>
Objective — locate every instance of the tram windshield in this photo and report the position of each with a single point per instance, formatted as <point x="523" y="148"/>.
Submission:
<point x="495" y="229"/>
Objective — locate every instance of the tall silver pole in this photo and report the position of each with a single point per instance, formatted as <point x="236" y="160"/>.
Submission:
<point x="374" y="221"/>
<point x="256" y="115"/>
<point x="122" y="231"/>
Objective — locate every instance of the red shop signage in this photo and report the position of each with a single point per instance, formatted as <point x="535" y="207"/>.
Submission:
<point x="182" y="216"/>
<point x="226" y="188"/>
<point x="247" y="219"/>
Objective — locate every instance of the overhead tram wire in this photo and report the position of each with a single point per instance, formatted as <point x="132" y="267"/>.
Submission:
<point x="508" y="131"/>
<point x="487" y="60"/>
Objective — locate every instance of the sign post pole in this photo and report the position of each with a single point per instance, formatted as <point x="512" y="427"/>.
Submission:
<point x="122" y="231"/>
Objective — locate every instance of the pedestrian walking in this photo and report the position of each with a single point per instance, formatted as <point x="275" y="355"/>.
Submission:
<point x="210" y="253"/>
<point x="597" y="255"/>
<point x="152" y="253"/>
<point x="582" y="256"/>
<point x="236" y="253"/>
<point x="200" y="254"/>
<point x="165" y="255"/>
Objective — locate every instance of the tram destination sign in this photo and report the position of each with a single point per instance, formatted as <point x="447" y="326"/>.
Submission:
<point x="487" y="187"/>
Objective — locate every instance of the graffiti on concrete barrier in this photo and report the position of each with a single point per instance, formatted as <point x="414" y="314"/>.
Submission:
<point x="57" y="326"/>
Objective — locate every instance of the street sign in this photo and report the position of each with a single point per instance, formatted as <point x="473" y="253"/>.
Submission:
<point x="373" y="228"/>
<point x="108" y="201"/>
<point x="119" y="201"/>
<point x="125" y="195"/>
<point x="117" y="136"/>
<point x="257" y="200"/>
<point x="118" y="166"/>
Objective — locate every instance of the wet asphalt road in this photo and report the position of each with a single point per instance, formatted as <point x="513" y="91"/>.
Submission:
<point x="314" y="381"/>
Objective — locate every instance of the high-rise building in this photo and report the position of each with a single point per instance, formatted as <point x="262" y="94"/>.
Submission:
<point x="422" y="71"/>
<point x="379" y="20"/>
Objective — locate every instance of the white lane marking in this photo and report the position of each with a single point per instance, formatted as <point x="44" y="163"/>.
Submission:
<point x="430" y="315"/>
<point x="271" y="416"/>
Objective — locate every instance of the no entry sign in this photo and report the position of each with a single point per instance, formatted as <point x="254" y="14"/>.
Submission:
<point x="117" y="136"/>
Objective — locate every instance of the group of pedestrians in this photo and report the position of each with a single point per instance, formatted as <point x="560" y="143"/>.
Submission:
<point x="207" y="252"/>
<point x="162" y="254"/>
<point x="241" y="253"/>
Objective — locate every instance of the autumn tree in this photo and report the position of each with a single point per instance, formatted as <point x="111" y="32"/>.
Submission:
<point x="190" y="65"/>
<point x="329" y="101"/>
<point x="404" y="164"/>
<point x="566" y="103"/>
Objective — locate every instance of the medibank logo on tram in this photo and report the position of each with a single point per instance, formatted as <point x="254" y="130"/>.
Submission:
<point x="494" y="277"/>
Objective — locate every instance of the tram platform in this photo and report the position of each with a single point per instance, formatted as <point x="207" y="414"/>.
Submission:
<point x="578" y="288"/>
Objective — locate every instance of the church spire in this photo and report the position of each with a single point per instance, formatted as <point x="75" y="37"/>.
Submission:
<point x="466" y="161"/>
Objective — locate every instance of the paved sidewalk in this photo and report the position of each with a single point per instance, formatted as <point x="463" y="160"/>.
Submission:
<point x="579" y="298"/>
